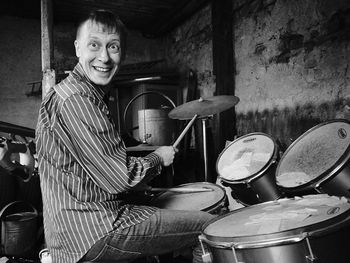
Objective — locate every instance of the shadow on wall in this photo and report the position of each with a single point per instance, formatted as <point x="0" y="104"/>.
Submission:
<point x="286" y="125"/>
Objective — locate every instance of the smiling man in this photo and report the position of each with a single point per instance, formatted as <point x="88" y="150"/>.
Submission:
<point x="84" y="168"/>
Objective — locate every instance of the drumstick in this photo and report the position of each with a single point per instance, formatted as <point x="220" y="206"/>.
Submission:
<point x="184" y="131"/>
<point x="180" y="190"/>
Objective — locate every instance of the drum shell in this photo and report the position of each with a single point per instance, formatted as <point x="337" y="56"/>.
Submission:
<point x="325" y="248"/>
<point x="258" y="187"/>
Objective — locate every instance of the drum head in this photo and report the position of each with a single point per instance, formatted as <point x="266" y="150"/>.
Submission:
<point x="245" y="157"/>
<point x="314" y="155"/>
<point x="200" y="201"/>
<point x="277" y="219"/>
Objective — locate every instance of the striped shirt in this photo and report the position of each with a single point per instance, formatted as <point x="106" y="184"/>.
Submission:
<point x="83" y="169"/>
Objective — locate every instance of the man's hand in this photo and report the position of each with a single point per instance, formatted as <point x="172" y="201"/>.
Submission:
<point x="167" y="154"/>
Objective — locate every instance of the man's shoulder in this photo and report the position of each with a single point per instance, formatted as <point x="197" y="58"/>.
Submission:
<point x="71" y="86"/>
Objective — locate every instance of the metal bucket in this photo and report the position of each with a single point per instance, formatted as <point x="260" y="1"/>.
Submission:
<point x="18" y="229"/>
<point x="155" y="127"/>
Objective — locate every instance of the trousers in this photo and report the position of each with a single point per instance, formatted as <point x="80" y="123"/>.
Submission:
<point x="165" y="231"/>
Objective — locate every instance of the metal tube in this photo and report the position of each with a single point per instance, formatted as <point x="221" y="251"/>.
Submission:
<point x="205" y="150"/>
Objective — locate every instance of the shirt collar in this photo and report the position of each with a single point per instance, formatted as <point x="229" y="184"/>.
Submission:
<point x="79" y="73"/>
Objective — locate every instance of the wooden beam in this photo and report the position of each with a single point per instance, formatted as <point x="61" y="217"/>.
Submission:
<point x="49" y="78"/>
<point x="223" y="69"/>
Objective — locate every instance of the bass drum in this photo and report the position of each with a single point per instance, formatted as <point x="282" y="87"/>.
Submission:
<point x="301" y="230"/>
<point x="214" y="201"/>
<point x="247" y="166"/>
<point x="317" y="162"/>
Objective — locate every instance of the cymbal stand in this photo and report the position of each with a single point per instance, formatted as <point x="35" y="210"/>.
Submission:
<point x="205" y="152"/>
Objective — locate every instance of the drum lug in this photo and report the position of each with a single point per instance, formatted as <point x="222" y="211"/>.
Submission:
<point x="207" y="257"/>
<point x="235" y="255"/>
<point x="311" y="257"/>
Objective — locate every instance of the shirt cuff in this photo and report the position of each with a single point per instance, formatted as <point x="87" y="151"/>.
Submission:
<point x="153" y="159"/>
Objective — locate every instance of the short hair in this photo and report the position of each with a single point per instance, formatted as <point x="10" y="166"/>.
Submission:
<point x="110" y="21"/>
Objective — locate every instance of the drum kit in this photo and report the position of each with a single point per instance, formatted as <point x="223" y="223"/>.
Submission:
<point x="295" y="207"/>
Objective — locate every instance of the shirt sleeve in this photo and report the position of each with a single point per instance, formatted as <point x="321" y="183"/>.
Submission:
<point x="99" y="148"/>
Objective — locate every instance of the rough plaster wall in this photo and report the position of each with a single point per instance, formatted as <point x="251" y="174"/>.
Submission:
<point x="291" y="61"/>
<point x="291" y="53"/>
<point x="190" y="47"/>
<point x="141" y="49"/>
<point x="20" y="63"/>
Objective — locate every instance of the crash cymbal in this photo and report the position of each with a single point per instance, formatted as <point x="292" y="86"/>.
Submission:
<point x="203" y="107"/>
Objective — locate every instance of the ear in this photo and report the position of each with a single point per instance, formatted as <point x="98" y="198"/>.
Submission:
<point x="77" y="48"/>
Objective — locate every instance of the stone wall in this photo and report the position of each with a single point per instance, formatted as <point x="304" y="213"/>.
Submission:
<point x="291" y="61"/>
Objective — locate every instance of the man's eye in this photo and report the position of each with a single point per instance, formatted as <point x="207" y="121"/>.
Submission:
<point x="93" y="46"/>
<point x="114" y="48"/>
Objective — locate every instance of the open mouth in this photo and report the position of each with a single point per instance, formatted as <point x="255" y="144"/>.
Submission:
<point x="101" y="69"/>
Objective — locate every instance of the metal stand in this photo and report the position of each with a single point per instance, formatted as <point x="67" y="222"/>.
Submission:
<point x="205" y="153"/>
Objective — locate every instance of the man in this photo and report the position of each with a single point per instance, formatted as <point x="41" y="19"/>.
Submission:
<point x="84" y="168"/>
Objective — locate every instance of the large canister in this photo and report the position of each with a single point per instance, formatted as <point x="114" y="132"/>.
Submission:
<point x="155" y="127"/>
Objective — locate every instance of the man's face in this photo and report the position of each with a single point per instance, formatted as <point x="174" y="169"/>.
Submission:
<point x="99" y="52"/>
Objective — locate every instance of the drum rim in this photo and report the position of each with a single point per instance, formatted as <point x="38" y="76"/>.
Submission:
<point x="258" y="174"/>
<point x="326" y="175"/>
<point x="209" y="208"/>
<point x="316" y="228"/>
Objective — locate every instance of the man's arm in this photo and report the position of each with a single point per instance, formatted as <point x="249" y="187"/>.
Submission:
<point x="100" y="149"/>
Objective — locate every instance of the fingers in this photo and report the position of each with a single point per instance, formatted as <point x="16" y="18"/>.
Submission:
<point x="167" y="154"/>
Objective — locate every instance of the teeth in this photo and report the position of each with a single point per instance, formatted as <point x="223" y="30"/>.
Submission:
<point x="102" y="69"/>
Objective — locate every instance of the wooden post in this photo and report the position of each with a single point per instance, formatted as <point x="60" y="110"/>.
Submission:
<point x="223" y="68"/>
<point x="223" y="63"/>
<point x="49" y="78"/>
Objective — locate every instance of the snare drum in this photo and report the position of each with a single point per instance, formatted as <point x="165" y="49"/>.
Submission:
<point x="248" y="166"/>
<point x="318" y="161"/>
<point x="213" y="201"/>
<point x="301" y="230"/>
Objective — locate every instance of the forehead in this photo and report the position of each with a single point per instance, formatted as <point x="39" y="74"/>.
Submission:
<point x="92" y="28"/>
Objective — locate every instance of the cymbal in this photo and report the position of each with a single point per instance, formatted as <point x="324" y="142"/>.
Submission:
<point x="203" y="107"/>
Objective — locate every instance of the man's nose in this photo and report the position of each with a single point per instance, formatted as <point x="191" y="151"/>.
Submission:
<point x="103" y="55"/>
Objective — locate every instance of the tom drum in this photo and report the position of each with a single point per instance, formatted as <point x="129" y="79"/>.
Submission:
<point x="248" y="166"/>
<point x="313" y="228"/>
<point x="318" y="161"/>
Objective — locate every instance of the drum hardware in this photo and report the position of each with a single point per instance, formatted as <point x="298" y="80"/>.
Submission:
<point x="204" y="109"/>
